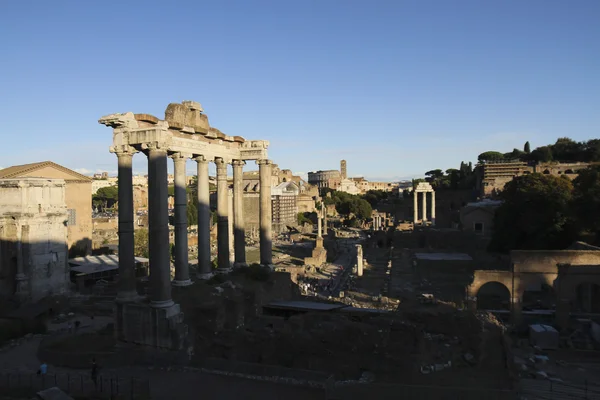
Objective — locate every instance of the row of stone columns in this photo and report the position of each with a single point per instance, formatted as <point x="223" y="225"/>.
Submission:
<point x="158" y="221"/>
<point x="424" y="207"/>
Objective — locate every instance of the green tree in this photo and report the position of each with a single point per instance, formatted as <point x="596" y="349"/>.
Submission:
<point x="106" y="196"/>
<point x="516" y="154"/>
<point x="192" y="213"/>
<point x="586" y="200"/>
<point x="542" y="154"/>
<point x="566" y="149"/>
<point x="534" y="214"/>
<point x="140" y="243"/>
<point x="527" y="148"/>
<point x="490" y="156"/>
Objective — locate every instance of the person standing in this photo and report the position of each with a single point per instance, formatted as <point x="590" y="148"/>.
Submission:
<point x="95" y="373"/>
<point x="43" y="369"/>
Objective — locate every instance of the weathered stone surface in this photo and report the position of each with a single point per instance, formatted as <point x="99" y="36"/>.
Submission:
<point x="146" y="118"/>
<point x="181" y="115"/>
<point x="150" y="326"/>
<point x="33" y="238"/>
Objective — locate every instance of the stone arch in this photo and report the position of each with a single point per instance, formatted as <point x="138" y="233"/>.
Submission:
<point x="494" y="295"/>
<point x="481" y="277"/>
<point x="569" y="171"/>
<point x="546" y="172"/>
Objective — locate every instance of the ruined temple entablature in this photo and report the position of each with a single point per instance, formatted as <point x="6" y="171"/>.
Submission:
<point x="186" y="130"/>
<point x="424" y="187"/>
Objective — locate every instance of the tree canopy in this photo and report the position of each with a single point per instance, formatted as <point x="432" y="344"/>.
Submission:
<point x="535" y="214"/>
<point x="106" y="197"/>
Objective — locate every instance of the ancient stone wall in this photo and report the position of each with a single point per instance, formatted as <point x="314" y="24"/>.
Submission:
<point x="33" y="238"/>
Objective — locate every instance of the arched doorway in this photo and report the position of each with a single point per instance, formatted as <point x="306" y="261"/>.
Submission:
<point x="493" y="296"/>
<point x="588" y="298"/>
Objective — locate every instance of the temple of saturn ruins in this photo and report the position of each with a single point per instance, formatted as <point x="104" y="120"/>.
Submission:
<point x="184" y="134"/>
<point x="424" y="188"/>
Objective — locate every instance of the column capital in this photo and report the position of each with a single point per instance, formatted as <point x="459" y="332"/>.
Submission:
<point x="238" y="163"/>
<point x="220" y="162"/>
<point x="180" y="156"/>
<point x="123" y="150"/>
<point x="202" y="158"/>
<point x="264" y="162"/>
<point x="157" y="145"/>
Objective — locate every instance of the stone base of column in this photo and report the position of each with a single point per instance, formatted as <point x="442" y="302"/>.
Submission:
<point x="240" y="264"/>
<point x="224" y="270"/>
<point x="187" y="282"/>
<point x="162" y="304"/>
<point x="270" y="266"/>
<point x="146" y="325"/>
<point x="205" y="276"/>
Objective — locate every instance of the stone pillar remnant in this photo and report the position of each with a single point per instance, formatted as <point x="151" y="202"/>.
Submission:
<point x="266" y="255"/>
<point x="222" y="217"/>
<point x="324" y="220"/>
<point x="127" y="286"/>
<point x="433" y="208"/>
<point x="230" y="236"/>
<point x="415" y="207"/>
<point x="238" y="215"/>
<point x="203" y="197"/>
<point x="359" y="260"/>
<point x="182" y="268"/>
<point x="424" y="207"/>
<point x="319" y="224"/>
<point x="158" y="223"/>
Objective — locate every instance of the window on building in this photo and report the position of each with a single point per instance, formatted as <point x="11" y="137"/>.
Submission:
<point x="478" y="227"/>
<point x="72" y="220"/>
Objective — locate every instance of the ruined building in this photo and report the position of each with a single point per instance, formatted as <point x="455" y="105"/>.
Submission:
<point x="33" y="239"/>
<point x="78" y="196"/>
<point x="183" y="134"/>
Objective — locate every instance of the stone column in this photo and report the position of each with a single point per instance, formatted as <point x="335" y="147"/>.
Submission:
<point x="182" y="268"/>
<point x="127" y="282"/>
<point x="424" y="207"/>
<point x="416" y="206"/>
<point x="238" y="214"/>
<point x="359" y="260"/>
<point x="324" y="220"/>
<point x="158" y="223"/>
<point x="203" y="197"/>
<point x="230" y="227"/>
<point x="266" y="251"/>
<point x="222" y="217"/>
<point x="319" y="226"/>
<point x="433" y="208"/>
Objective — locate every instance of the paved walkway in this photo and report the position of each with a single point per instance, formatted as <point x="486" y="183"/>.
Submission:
<point x="163" y="384"/>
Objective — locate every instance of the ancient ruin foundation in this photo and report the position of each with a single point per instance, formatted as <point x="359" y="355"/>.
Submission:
<point x="184" y="134"/>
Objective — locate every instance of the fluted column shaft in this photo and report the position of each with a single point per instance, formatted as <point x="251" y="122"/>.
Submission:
<point x="158" y="221"/>
<point x="127" y="283"/>
<point x="182" y="268"/>
<point x="424" y="207"/>
<point x="319" y="226"/>
<point x="222" y="216"/>
<point x="433" y="208"/>
<point x="416" y="206"/>
<point x="238" y="214"/>
<point x="203" y="198"/>
<point x="266" y="252"/>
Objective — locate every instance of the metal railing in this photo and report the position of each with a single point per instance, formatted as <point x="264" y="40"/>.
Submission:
<point x="76" y="384"/>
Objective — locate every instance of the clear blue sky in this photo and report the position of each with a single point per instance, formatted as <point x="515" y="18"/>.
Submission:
<point x="394" y="87"/>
